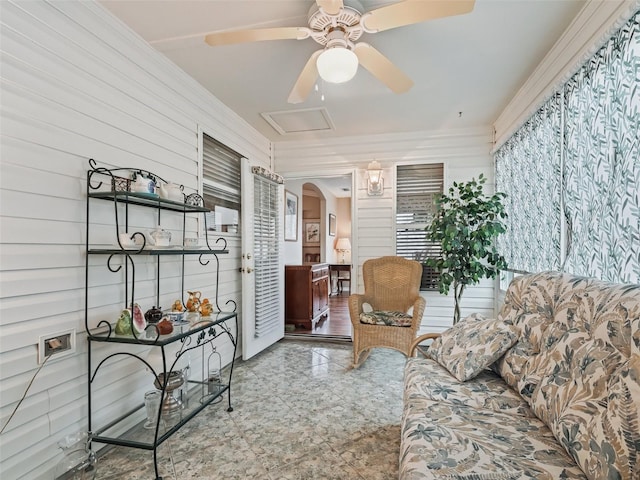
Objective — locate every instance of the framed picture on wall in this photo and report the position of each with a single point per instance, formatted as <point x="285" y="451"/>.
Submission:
<point x="290" y="216"/>
<point x="312" y="232"/>
<point x="332" y="225"/>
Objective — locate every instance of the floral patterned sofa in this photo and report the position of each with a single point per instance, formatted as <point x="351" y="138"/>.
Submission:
<point x="549" y="390"/>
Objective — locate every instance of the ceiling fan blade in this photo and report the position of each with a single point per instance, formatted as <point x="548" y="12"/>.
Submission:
<point x="332" y="7"/>
<point x="382" y="68"/>
<point x="306" y="80"/>
<point x="409" y="12"/>
<point x="256" y="35"/>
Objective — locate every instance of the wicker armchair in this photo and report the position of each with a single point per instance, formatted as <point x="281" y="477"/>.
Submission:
<point x="391" y="284"/>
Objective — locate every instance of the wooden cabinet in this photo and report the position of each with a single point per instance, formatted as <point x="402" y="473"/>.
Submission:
<point x="306" y="293"/>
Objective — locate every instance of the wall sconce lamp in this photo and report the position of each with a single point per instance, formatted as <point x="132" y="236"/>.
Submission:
<point x="343" y="245"/>
<point x="375" y="183"/>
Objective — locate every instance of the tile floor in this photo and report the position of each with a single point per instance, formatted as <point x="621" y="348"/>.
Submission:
<point x="299" y="413"/>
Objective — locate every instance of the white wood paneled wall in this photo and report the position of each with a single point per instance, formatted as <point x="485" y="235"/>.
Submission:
<point x="78" y="84"/>
<point x="465" y="154"/>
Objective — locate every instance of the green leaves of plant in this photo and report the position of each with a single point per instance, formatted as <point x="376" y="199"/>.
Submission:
<point x="465" y="225"/>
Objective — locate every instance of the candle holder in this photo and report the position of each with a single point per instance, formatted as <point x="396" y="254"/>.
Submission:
<point x="213" y="371"/>
<point x="170" y="405"/>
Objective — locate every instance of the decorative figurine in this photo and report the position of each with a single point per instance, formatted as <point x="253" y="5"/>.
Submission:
<point x="143" y="183"/>
<point x="153" y="315"/>
<point x="206" y="308"/>
<point x="177" y="306"/>
<point x="160" y="237"/>
<point x="139" y="323"/>
<point x="127" y="320"/>
<point x="194" y="301"/>
<point x="165" y="327"/>
<point x="123" y="327"/>
<point x="171" y="191"/>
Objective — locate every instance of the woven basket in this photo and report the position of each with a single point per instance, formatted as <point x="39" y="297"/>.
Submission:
<point x="120" y="184"/>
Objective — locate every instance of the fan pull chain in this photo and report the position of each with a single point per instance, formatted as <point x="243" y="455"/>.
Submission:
<point x="318" y="89"/>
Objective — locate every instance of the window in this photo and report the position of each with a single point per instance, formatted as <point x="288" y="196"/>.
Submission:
<point x="221" y="185"/>
<point x="417" y="187"/>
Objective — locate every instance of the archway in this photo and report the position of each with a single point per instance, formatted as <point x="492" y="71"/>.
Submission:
<point x="313" y="226"/>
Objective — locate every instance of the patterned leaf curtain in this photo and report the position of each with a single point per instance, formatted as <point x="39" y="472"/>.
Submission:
<point x="528" y="171"/>
<point x="580" y="154"/>
<point x="602" y="160"/>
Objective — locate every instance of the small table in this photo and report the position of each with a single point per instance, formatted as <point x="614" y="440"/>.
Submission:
<point x="346" y="277"/>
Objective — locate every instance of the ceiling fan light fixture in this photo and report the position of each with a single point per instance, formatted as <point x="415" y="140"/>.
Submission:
<point x="337" y="65"/>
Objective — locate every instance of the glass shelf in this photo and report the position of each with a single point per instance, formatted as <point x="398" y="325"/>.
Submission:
<point x="198" y="397"/>
<point x="134" y="198"/>
<point x="155" y="251"/>
<point x="150" y="337"/>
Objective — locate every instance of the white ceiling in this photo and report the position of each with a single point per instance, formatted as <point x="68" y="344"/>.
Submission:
<point x="465" y="68"/>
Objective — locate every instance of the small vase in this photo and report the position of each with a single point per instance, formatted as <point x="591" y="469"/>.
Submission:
<point x="79" y="461"/>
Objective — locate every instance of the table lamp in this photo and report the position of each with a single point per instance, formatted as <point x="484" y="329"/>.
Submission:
<point x="343" y="245"/>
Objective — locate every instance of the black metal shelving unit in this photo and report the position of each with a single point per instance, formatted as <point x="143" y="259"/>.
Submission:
<point x="113" y="185"/>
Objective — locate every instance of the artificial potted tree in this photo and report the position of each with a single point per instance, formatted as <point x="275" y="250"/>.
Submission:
<point x="465" y="226"/>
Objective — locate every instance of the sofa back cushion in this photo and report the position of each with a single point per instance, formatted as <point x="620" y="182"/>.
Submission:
<point x="554" y="310"/>
<point x="574" y="364"/>
<point x="533" y="303"/>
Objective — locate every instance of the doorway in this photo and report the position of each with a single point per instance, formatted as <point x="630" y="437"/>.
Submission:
<point x="326" y="219"/>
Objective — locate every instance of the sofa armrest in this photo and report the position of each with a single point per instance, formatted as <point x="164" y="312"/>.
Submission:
<point x="420" y="339"/>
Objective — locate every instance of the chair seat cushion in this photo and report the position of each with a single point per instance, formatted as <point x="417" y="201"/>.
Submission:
<point x="383" y="317"/>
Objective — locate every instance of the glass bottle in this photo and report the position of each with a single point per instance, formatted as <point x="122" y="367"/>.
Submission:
<point x="79" y="461"/>
<point x="152" y="405"/>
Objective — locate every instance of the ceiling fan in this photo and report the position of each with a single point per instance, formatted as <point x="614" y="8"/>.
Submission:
<point x="337" y="27"/>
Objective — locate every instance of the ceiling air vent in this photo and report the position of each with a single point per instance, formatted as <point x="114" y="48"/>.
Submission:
<point x="299" y="121"/>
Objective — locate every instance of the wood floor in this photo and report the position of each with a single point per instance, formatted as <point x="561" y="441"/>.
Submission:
<point x="337" y="324"/>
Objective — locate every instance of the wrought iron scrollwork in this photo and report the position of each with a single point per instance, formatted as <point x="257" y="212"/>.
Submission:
<point x="110" y="172"/>
<point x="104" y="323"/>
<point x="111" y="268"/>
<point x="116" y="185"/>
<point x="195" y="200"/>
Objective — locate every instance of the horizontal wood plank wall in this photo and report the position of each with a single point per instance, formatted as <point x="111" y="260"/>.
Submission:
<point x="465" y="154"/>
<point x="78" y="84"/>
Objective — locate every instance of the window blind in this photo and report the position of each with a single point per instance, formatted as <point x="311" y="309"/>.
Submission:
<point x="220" y="175"/>
<point x="266" y="248"/>
<point x="417" y="188"/>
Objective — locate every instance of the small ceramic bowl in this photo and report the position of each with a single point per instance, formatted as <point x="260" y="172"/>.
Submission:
<point x="177" y="318"/>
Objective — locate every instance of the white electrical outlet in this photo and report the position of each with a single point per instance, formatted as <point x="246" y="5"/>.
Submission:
<point x="59" y="344"/>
